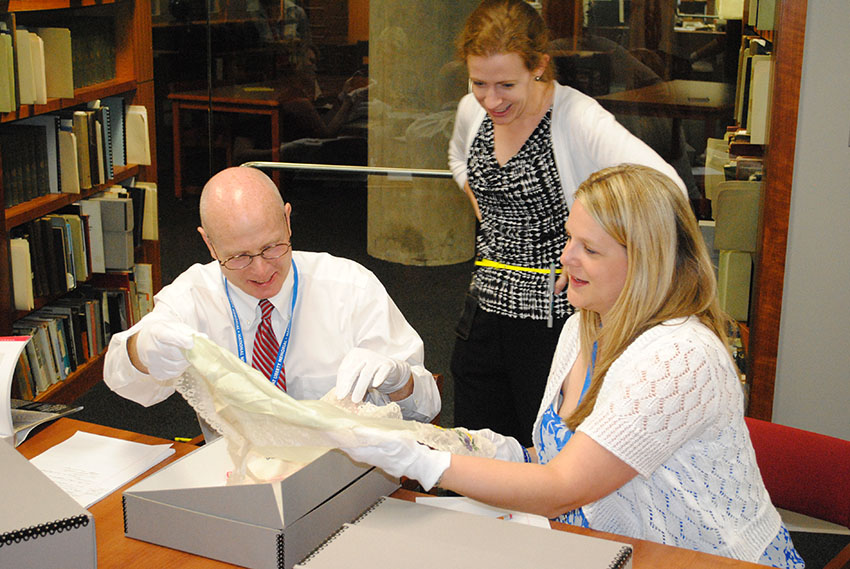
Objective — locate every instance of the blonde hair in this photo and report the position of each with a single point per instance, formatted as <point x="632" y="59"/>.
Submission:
<point x="669" y="273"/>
<point x="506" y="26"/>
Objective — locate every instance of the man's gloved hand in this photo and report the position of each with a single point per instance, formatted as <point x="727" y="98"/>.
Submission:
<point x="507" y="448"/>
<point x="361" y="369"/>
<point x="402" y="457"/>
<point x="160" y="346"/>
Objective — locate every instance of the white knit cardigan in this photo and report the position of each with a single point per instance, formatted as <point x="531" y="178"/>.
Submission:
<point x="672" y="408"/>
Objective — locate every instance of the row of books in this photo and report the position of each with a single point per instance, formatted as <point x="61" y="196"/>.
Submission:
<point x="55" y="253"/>
<point x="44" y="64"/>
<point x="71" y="150"/>
<point x="76" y="328"/>
<point x="40" y="63"/>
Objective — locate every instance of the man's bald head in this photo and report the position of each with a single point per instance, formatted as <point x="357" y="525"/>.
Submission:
<point x="238" y="195"/>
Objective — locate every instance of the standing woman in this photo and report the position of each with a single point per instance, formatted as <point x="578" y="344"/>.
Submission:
<point x="522" y="143"/>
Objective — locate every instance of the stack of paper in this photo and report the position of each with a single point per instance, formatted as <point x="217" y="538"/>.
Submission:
<point x="90" y="467"/>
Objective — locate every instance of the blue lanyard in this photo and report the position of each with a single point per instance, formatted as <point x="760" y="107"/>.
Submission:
<point x="284" y="344"/>
<point x="589" y="373"/>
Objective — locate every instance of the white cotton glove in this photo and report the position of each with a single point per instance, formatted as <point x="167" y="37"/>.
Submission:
<point x="402" y="457"/>
<point x="361" y="369"/>
<point x="160" y="346"/>
<point x="507" y="448"/>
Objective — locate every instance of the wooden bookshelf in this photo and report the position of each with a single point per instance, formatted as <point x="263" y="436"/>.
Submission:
<point x="133" y="80"/>
<point x="769" y="275"/>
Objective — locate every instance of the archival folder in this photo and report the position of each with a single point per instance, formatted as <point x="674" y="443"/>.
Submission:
<point x="398" y="533"/>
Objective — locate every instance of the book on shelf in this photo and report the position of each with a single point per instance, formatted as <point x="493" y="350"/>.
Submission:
<point x="22" y="274"/>
<point x="41" y="284"/>
<point x="150" y="214"/>
<point x="91" y="208"/>
<point x="58" y="342"/>
<point x="51" y="140"/>
<point x="65" y="322"/>
<point x="104" y="121"/>
<point x="95" y="150"/>
<point x="40" y="380"/>
<point x="23" y="385"/>
<point x="62" y="242"/>
<point x="116" y="126"/>
<point x="26" y="73"/>
<point x="58" y="61"/>
<point x="69" y="169"/>
<point x="71" y="326"/>
<point x="93" y="50"/>
<point x="83" y="325"/>
<point x="75" y="244"/>
<point x="24" y="147"/>
<point x="144" y="287"/>
<point x="39" y="72"/>
<point x="117" y="220"/>
<point x="138" y="137"/>
<point x="54" y="258"/>
<point x="8" y="98"/>
<point x="137" y="195"/>
<point x="49" y="373"/>
<point x="56" y="349"/>
<point x="81" y="134"/>
<point x="87" y="318"/>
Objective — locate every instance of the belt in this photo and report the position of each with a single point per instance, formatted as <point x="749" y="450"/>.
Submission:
<point x="551" y="271"/>
<point x="496" y="265"/>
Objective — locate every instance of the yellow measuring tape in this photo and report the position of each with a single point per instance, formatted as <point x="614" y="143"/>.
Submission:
<point x="495" y="265"/>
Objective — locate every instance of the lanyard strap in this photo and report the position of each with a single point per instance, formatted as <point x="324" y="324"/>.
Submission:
<point x="589" y="373"/>
<point x="284" y="344"/>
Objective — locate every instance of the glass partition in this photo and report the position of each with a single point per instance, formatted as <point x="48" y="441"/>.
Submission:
<point x="375" y="83"/>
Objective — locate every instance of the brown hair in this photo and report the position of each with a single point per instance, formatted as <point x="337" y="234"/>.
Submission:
<point x="669" y="273"/>
<point x="506" y="26"/>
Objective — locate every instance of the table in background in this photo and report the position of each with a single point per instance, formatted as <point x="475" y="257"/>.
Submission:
<point x="255" y="99"/>
<point x="679" y="99"/>
<point x="114" y="550"/>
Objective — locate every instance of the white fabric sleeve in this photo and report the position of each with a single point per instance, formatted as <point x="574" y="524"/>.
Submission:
<point x="653" y="402"/>
<point x="609" y="143"/>
<point x="588" y="138"/>
<point x="122" y="377"/>
<point x="468" y="114"/>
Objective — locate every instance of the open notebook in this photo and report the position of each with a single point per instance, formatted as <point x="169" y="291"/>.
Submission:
<point x="397" y="533"/>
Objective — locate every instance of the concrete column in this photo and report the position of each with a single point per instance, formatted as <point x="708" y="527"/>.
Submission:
<point x="416" y="84"/>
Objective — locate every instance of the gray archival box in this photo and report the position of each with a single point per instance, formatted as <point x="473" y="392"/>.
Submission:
<point x="186" y="506"/>
<point x="41" y="526"/>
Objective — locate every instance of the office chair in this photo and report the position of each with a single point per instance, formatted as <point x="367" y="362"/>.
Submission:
<point x="806" y="473"/>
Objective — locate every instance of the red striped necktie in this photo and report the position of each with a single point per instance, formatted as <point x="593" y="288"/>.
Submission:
<point x="266" y="346"/>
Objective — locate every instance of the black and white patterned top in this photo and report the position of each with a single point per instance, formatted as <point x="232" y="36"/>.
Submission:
<point x="523" y="214"/>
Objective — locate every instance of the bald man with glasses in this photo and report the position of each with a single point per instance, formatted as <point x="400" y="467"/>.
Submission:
<point x="310" y="322"/>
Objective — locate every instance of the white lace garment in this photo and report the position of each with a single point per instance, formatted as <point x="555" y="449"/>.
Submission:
<point x="270" y="434"/>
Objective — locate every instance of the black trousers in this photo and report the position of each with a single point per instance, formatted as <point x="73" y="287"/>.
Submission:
<point x="500" y="372"/>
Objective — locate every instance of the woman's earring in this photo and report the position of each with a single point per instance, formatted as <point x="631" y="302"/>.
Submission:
<point x="537" y="77"/>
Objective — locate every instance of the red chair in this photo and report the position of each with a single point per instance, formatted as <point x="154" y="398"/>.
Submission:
<point x="805" y="472"/>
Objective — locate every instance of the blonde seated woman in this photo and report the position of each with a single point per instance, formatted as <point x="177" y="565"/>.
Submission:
<point x="641" y="429"/>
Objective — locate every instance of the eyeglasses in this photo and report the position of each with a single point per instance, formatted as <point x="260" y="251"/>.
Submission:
<point x="238" y="262"/>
